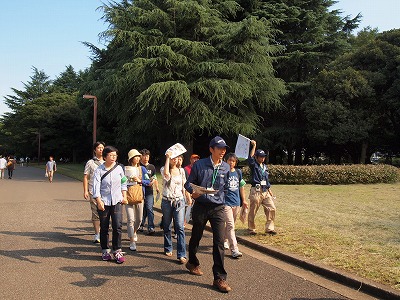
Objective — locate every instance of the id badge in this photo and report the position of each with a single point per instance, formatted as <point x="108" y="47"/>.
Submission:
<point x="263" y="182"/>
<point x="210" y="188"/>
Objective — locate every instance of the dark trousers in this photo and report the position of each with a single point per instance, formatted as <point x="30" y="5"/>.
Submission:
<point x="115" y="213"/>
<point x="201" y="213"/>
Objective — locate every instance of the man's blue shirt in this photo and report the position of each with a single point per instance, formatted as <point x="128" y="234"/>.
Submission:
<point x="258" y="173"/>
<point x="204" y="174"/>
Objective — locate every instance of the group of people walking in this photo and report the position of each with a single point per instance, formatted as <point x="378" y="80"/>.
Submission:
<point x="7" y="164"/>
<point x="214" y="185"/>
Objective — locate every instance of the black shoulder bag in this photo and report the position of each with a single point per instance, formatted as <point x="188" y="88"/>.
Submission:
<point x="108" y="172"/>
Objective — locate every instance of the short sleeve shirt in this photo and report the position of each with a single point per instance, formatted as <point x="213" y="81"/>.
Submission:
<point x="151" y="172"/>
<point x="90" y="167"/>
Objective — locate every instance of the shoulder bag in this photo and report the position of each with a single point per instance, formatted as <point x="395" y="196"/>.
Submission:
<point x="134" y="194"/>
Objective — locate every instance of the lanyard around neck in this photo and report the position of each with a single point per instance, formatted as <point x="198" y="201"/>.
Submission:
<point x="215" y="173"/>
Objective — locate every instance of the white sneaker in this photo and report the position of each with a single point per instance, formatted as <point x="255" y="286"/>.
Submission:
<point x="135" y="237"/>
<point x="96" y="238"/>
<point x="236" y="254"/>
<point x="226" y="245"/>
<point x="132" y="246"/>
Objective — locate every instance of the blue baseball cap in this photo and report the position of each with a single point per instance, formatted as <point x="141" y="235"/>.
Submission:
<point x="260" y="153"/>
<point x="218" y="142"/>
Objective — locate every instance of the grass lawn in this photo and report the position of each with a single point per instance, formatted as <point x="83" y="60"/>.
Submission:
<point x="350" y="227"/>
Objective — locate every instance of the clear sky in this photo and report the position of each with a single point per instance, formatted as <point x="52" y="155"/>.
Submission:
<point x="47" y="34"/>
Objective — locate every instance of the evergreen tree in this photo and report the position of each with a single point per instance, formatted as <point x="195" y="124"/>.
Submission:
<point x="178" y="69"/>
<point x="312" y="37"/>
<point x="38" y="86"/>
<point x="68" y="81"/>
<point x="361" y="88"/>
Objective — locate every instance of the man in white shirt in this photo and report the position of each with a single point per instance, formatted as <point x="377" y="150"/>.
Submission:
<point x="3" y="165"/>
<point x="90" y="167"/>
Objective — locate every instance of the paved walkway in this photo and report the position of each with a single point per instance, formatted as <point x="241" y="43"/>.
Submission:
<point x="46" y="253"/>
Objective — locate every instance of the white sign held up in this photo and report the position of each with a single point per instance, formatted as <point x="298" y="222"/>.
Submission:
<point x="242" y="147"/>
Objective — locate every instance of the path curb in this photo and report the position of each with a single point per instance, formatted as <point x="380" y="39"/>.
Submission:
<point x="358" y="283"/>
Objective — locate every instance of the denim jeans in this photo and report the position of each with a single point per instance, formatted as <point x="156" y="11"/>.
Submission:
<point x="201" y="213"/>
<point x="148" y="211"/>
<point x="115" y="212"/>
<point x="174" y="210"/>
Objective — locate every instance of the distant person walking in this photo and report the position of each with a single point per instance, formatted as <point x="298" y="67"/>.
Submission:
<point x="209" y="173"/>
<point x="260" y="192"/>
<point x="51" y="167"/>
<point x="88" y="174"/>
<point x="11" y="166"/>
<point x="3" y="166"/>
<point x="109" y="190"/>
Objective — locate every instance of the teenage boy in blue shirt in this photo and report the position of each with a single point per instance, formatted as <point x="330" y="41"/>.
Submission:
<point x="260" y="192"/>
<point x="210" y="173"/>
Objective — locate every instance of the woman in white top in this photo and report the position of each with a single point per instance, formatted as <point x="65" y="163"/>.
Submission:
<point x="173" y="206"/>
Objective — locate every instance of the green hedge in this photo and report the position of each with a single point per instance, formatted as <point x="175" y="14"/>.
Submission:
<point x="330" y="174"/>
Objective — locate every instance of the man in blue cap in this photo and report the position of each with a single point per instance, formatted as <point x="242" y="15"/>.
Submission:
<point x="260" y="192"/>
<point x="209" y="175"/>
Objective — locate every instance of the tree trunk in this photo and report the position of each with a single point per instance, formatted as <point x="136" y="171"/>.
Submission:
<point x="363" y="157"/>
<point x="290" y="156"/>
<point x="298" y="158"/>
<point x="74" y="155"/>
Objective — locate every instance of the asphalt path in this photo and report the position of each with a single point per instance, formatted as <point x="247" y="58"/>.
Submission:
<point x="46" y="252"/>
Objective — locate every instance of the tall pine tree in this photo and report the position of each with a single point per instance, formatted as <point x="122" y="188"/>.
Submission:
<point x="177" y="69"/>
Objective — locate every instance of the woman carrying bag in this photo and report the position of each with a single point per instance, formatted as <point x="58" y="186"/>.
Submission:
<point x="137" y="180"/>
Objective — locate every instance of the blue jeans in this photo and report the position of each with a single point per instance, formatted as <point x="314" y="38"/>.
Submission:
<point x="148" y="211"/>
<point x="174" y="210"/>
<point x="115" y="212"/>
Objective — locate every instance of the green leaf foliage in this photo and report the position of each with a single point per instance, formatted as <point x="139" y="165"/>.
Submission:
<point x="185" y="67"/>
<point x="331" y="174"/>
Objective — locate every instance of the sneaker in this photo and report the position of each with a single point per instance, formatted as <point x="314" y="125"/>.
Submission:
<point x="236" y="254"/>
<point x="182" y="260"/>
<point x="106" y="256"/>
<point x="226" y="245"/>
<point x="135" y="237"/>
<point x="96" y="238"/>
<point x="168" y="254"/>
<point x="252" y="232"/>
<point x="152" y="231"/>
<point x="195" y="270"/>
<point x="140" y="229"/>
<point x="271" y="232"/>
<point x="221" y="285"/>
<point x="119" y="257"/>
<point x="132" y="246"/>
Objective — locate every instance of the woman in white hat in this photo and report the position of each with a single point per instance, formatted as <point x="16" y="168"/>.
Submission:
<point x="137" y="180"/>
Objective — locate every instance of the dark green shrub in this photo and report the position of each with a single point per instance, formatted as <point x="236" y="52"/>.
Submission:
<point x="330" y="174"/>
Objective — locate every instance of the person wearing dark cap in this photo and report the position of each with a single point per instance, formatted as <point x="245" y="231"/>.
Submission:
<point x="260" y="192"/>
<point x="210" y="174"/>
